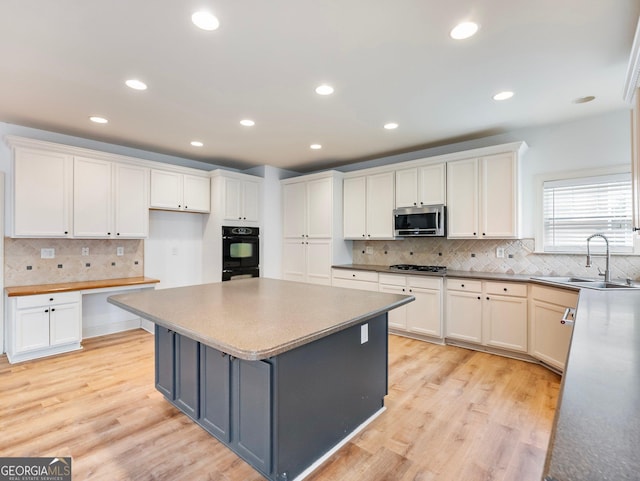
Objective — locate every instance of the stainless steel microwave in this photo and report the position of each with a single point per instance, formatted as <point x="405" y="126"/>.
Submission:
<point x="423" y="221"/>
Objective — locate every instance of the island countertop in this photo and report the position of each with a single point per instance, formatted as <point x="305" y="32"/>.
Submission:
<point x="257" y="318"/>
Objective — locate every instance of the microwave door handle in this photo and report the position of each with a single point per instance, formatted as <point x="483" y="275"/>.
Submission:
<point x="437" y="220"/>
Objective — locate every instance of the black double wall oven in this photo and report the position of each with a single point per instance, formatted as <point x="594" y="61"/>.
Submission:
<point x="240" y="252"/>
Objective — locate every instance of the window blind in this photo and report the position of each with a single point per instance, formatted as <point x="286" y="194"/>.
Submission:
<point x="573" y="209"/>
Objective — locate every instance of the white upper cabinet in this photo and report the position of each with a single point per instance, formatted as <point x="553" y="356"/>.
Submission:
<point x="42" y="193"/>
<point x="236" y="198"/>
<point x="483" y="197"/>
<point x="176" y="191"/>
<point x="294" y="209"/>
<point x="110" y="200"/>
<point x="131" y="201"/>
<point x="421" y="185"/>
<point x="368" y="206"/>
<point x="319" y="203"/>
<point x="92" y="198"/>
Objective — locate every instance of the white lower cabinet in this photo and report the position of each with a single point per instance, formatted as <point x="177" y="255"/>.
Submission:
<point x="422" y="316"/>
<point x="488" y="313"/>
<point x="43" y="324"/>
<point x="550" y="338"/>
<point x="308" y="261"/>
<point x="354" y="279"/>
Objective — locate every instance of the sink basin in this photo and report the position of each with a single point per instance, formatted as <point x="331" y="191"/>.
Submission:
<point x="588" y="283"/>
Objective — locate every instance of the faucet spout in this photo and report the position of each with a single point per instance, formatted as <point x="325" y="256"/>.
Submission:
<point x="607" y="272"/>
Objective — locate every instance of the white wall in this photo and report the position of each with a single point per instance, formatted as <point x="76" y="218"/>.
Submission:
<point x="173" y="251"/>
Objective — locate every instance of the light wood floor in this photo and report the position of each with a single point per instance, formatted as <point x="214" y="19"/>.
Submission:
<point x="452" y="414"/>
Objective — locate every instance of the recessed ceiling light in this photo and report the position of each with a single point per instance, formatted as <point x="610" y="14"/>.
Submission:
<point x="205" y="20"/>
<point x="464" y="30"/>
<point x="315" y="146"/>
<point x="391" y="126"/>
<point x="196" y="143"/>
<point x="98" y="120"/>
<point x="584" y="100"/>
<point x="324" y="89"/>
<point x="503" y="95"/>
<point x="247" y="123"/>
<point x="136" y="84"/>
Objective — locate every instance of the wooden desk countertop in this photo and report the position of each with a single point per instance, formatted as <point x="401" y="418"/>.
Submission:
<point x="77" y="286"/>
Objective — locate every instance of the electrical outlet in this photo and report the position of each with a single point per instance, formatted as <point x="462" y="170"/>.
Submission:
<point x="368" y="250"/>
<point x="119" y="251"/>
<point x="48" y="253"/>
<point x="174" y="251"/>
<point x="85" y="251"/>
<point x="500" y="252"/>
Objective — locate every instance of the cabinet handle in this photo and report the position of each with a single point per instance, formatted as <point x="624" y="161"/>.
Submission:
<point x="569" y="317"/>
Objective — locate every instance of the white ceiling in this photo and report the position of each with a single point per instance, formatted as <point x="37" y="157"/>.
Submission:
<point x="62" y="61"/>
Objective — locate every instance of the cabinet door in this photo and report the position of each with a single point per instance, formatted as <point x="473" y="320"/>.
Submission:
<point x="187" y="371"/>
<point x="294" y="260"/>
<point x="432" y="184"/>
<point x="215" y="395"/>
<point x="232" y="199"/>
<point x="318" y="261"/>
<point x="462" y="199"/>
<point x="92" y="198"/>
<point x="406" y="187"/>
<point x="65" y="324"/>
<point x="355" y="207"/>
<point x="251" y="201"/>
<point x="294" y="210"/>
<point x="505" y="319"/>
<point x="380" y="200"/>
<point x="197" y="193"/>
<point x="131" y="201"/>
<point x="42" y="193"/>
<point x="319" y="208"/>
<point x="499" y="209"/>
<point x="32" y="329"/>
<point x="424" y="315"/>
<point x="397" y="317"/>
<point x="549" y="338"/>
<point x="166" y="190"/>
<point x="252" y="412"/>
<point x="165" y="340"/>
<point x="464" y="316"/>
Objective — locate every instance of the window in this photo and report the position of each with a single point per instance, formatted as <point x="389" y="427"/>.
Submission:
<point x="575" y="208"/>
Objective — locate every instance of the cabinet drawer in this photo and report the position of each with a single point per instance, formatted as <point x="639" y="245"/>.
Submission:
<point x="23" y="302"/>
<point x="393" y="280"/>
<point x="425" y="282"/>
<point x="355" y="284"/>
<point x="369" y="276"/>
<point x="552" y="295"/>
<point x="506" y="289"/>
<point x="464" y="285"/>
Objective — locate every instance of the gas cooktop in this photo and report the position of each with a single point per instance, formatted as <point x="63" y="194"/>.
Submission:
<point x="414" y="267"/>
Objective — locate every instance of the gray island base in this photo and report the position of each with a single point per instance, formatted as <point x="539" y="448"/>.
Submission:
<point x="281" y="412"/>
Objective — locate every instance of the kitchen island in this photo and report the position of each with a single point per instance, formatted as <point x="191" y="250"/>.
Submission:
<point x="280" y="372"/>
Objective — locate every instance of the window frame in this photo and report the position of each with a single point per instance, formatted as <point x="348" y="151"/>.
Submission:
<point x="568" y="175"/>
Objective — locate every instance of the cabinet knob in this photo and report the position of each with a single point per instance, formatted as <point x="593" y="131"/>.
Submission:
<point x="474" y="233"/>
<point x="484" y="233"/>
<point x="66" y="232"/>
<point x="108" y="233"/>
<point x="52" y="310"/>
<point x="415" y="203"/>
<point x="487" y="298"/>
<point x="505" y="289"/>
<point x="179" y="206"/>
<point x="50" y="299"/>
<point x="478" y="297"/>
<point x="461" y="285"/>
<point x="46" y="310"/>
<point x="363" y="235"/>
<point x="353" y="275"/>
<point x="186" y="206"/>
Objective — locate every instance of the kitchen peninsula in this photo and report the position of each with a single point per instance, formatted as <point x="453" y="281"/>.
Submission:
<point x="280" y="372"/>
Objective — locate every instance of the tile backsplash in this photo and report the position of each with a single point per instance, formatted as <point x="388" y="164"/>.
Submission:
<point x="23" y="264"/>
<point x="480" y="256"/>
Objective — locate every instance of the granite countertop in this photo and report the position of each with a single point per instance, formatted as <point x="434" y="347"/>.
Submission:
<point x="497" y="276"/>
<point x="13" y="291"/>
<point x="597" y="429"/>
<point x="257" y="318"/>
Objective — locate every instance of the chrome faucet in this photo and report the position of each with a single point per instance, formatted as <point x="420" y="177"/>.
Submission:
<point x="607" y="272"/>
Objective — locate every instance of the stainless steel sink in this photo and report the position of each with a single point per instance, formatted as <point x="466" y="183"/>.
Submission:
<point x="588" y="283"/>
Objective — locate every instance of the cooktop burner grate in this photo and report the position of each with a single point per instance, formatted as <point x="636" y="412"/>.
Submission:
<point x="414" y="267"/>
